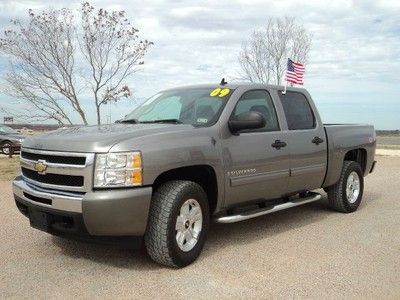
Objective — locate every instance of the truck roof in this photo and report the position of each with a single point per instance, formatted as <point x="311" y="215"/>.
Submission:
<point x="239" y="84"/>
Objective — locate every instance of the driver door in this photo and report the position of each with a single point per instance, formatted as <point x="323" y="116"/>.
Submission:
<point x="256" y="169"/>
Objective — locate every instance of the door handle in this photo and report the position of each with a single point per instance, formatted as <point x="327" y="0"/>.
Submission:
<point x="278" y="144"/>
<point x="317" y="140"/>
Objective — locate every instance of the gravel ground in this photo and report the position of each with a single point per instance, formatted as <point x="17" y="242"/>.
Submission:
<point x="306" y="252"/>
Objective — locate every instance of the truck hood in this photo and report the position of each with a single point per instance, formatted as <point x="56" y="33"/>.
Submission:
<point x="97" y="138"/>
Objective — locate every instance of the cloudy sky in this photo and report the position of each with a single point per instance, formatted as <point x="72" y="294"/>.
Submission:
<point x="354" y="65"/>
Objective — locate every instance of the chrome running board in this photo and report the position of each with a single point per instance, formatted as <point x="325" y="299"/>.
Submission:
<point x="264" y="211"/>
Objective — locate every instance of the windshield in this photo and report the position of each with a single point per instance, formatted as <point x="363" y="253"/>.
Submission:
<point x="197" y="106"/>
<point x="6" y="130"/>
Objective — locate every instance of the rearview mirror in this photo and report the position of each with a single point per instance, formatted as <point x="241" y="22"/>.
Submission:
<point x="246" y="121"/>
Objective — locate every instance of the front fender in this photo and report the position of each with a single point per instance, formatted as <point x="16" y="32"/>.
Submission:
<point x="165" y="152"/>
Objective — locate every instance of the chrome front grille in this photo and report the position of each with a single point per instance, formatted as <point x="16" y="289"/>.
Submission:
<point x="57" y="159"/>
<point x="55" y="179"/>
<point x="65" y="171"/>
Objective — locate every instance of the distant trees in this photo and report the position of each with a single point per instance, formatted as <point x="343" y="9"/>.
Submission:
<point x="264" y="56"/>
<point x="58" y="55"/>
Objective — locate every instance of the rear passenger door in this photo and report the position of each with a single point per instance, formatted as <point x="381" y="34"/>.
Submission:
<point x="307" y="144"/>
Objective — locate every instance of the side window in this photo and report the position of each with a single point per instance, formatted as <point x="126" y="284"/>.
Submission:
<point x="259" y="101"/>
<point x="201" y="111"/>
<point x="298" y="112"/>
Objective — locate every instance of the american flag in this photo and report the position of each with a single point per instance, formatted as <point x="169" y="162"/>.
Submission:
<point x="294" y="72"/>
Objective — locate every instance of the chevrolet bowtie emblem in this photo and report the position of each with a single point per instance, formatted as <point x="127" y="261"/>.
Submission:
<point x="41" y="167"/>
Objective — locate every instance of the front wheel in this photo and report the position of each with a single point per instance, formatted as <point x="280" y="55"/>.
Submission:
<point x="178" y="223"/>
<point x="345" y="196"/>
<point x="6" y="148"/>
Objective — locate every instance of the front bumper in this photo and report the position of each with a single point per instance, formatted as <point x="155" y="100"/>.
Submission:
<point x="113" y="212"/>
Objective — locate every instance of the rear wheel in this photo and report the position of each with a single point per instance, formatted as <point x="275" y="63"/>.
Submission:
<point x="345" y="196"/>
<point x="178" y="223"/>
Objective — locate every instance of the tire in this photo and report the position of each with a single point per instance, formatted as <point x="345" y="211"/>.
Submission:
<point x="6" y="151"/>
<point x="339" y="198"/>
<point x="170" y="205"/>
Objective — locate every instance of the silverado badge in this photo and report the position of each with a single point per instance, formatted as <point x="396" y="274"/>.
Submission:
<point x="41" y="167"/>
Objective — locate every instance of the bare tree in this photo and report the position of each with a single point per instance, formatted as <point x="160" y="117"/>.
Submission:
<point x="50" y="55"/>
<point x="264" y="56"/>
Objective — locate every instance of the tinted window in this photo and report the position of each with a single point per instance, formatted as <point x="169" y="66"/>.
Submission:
<point x="297" y="111"/>
<point x="259" y="101"/>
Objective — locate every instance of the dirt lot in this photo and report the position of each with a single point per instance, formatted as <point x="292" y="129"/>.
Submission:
<point x="306" y="252"/>
<point x="9" y="167"/>
<point x="388" y="152"/>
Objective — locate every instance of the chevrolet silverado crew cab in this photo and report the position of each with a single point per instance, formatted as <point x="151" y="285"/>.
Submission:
<point x="186" y="156"/>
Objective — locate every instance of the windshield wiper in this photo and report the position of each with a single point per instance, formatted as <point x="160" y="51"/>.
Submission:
<point x="173" y="121"/>
<point x="130" y="121"/>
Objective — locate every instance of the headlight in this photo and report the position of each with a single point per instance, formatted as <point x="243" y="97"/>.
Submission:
<point x="118" y="170"/>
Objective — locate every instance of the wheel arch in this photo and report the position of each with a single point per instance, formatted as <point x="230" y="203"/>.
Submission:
<point x="204" y="175"/>
<point x="336" y="162"/>
<point x="5" y="142"/>
<point x="358" y="155"/>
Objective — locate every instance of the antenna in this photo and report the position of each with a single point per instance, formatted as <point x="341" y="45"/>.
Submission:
<point x="223" y="82"/>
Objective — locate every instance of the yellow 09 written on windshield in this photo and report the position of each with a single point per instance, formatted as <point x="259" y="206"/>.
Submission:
<point x="218" y="92"/>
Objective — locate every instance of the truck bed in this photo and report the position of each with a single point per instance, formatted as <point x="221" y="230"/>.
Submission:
<point x="342" y="138"/>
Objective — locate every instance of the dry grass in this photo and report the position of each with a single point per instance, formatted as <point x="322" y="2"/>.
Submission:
<point x="9" y="167"/>
<point x="391" y="147"/>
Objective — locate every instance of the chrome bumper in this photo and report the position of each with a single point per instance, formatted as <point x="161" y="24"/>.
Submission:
<point x="60" y="201"/>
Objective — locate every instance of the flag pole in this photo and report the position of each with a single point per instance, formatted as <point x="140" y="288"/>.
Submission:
<point x="284" y="89"/>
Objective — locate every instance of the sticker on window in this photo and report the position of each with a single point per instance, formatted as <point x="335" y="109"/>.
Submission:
<point x="202" y="120"/>
<point x="220" y="92"/>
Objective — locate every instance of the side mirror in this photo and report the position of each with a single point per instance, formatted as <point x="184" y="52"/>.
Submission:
<point x="246" y="121"/>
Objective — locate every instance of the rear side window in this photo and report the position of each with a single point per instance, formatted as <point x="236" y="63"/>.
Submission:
<point x="261" y="102"/>
<point x="298" y="112"/>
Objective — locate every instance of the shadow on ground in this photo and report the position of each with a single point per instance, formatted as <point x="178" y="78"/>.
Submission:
<point x="220" y="236"/>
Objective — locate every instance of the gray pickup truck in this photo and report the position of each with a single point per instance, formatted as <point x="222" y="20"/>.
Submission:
<point x="186" y="156"/>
